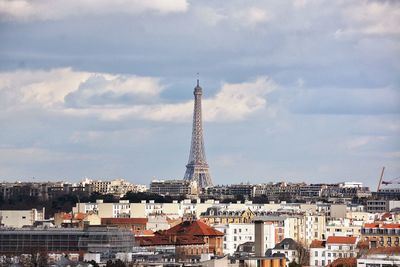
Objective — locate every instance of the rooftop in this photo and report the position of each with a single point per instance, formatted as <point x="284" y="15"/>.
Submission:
<point x="341" y="240"/>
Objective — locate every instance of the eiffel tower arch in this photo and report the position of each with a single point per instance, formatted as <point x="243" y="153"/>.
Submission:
<point x="197" y="168"/>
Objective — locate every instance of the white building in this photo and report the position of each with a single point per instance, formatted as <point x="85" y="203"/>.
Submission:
<point x="384" y="258"/>
<point x="239" y="233"/>
<point x="323" y="253"/>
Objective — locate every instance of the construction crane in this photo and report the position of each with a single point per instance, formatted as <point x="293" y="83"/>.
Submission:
<point x="381" y="182"/>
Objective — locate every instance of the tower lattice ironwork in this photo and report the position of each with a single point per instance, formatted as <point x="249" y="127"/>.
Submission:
<point x="197" y="168"/>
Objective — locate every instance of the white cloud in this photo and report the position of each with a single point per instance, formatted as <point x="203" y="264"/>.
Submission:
<point x="361" y="141"/>
<point x="58" y="9"/>
<point x="117" y="97"/>
<point x="253" y="16"/>
<point x="371" y="18"/>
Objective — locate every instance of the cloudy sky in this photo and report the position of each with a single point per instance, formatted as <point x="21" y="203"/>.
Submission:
<point x="301" y="90"/>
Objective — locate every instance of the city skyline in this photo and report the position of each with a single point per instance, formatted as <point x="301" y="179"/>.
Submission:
<point x="298" y="90"/>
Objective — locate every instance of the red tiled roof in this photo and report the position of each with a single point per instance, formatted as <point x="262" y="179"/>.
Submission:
<point x="317" y="244"/>
<point x="66" y="216"/>
<point x="341" y="240"/>
<point x="142" y="221"/>
<point x="167" y="240"/>
<point x="80" y="216"/>
<point x="195" y="228"/>
<point x="382" y="225"/>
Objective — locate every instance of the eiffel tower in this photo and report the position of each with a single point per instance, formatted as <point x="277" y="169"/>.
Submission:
<point x="197" y="167"/>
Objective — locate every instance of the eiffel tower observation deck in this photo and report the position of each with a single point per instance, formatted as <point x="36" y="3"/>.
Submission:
<point x="197" y="167"/>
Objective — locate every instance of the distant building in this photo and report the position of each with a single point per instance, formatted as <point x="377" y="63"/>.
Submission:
<point x="20" y="218"/>
<point x="246" y="191"/>
<point x="381" y="205"/>
<point x="389" y="193"/>
<point x="117" y="187"/>
<point x="174" y="187"/>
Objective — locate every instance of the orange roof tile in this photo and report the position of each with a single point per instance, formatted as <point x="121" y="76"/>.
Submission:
<point x="341" y="240"/>
<point x="166" y="240"/>
<point x="79" y="216"/>
<point x="382" y="225"/>
<point x="317" y="244"/>
<point x="195" y="228"/>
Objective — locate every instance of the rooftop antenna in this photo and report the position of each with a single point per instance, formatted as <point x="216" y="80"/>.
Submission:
<point x="198" y="77"/>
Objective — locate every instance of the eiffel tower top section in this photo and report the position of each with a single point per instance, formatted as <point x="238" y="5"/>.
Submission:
<point x="197" y="167"/>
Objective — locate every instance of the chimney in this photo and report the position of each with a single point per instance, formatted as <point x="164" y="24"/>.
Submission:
<point x="259" y="241"/>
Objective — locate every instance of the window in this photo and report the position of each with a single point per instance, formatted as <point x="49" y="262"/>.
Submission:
<point x="316" y="262"/>
<point x="323" y="263"/>
<point x="235" y="231"/>
<point x="329" y="254"/>
<point x="316" y="254"/>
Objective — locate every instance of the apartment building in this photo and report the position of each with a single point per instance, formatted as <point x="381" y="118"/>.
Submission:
<point x="381" y="234"/>
<point x="236" y="234"/>
<point x="323" y="253"/>
<point x="344" y="227"/>
<point x="381" y="205"/>
<point x="315" y="226"/>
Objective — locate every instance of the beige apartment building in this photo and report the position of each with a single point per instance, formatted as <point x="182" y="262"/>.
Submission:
<point x="20" y="218"/>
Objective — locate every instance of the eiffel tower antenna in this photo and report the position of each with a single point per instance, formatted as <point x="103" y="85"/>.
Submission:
<point x="197" y="167"/>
